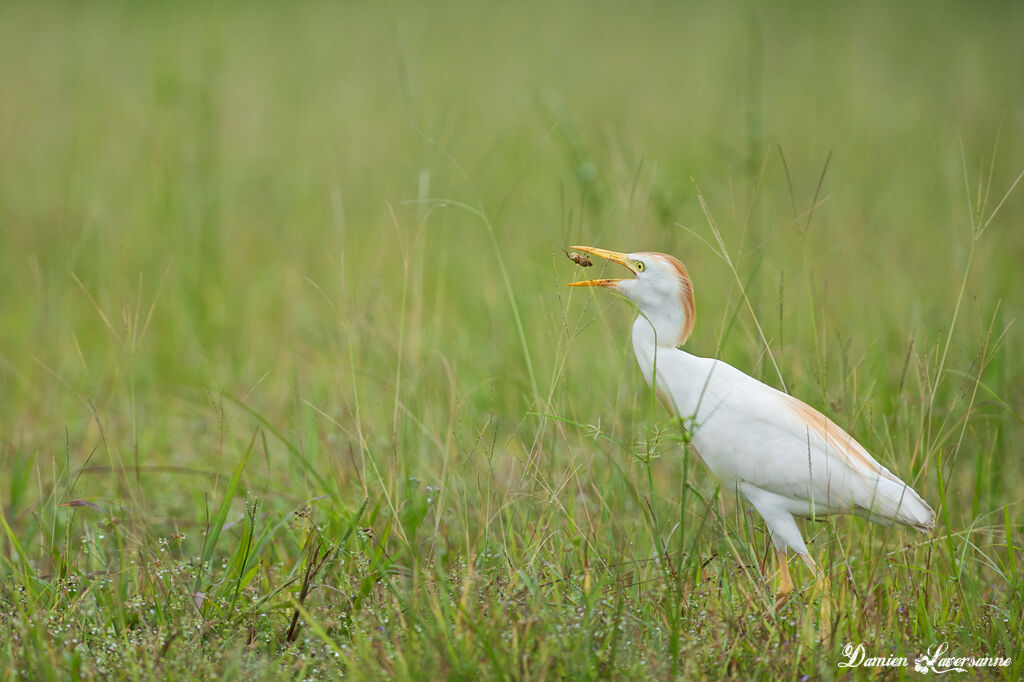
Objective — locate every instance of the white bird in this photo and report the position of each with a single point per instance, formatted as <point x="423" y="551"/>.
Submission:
<point x="780" y="454"/>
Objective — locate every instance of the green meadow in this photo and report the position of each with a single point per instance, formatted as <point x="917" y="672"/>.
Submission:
<point x="291" y="385"/>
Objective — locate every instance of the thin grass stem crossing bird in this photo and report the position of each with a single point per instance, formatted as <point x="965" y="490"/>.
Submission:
<point x="780" y="454"/>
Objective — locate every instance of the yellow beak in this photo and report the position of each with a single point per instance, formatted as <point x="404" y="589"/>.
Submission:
<point x="614" y="256"/>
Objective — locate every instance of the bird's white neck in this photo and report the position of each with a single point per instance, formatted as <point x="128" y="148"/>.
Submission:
<point x="651" y="337"/>
<point x="666" y="330"/>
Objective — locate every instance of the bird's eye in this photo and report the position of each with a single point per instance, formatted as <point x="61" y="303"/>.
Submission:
<point x="640" y="267"/>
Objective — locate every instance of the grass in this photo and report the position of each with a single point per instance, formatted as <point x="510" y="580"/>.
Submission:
<point x="291" y="386"/>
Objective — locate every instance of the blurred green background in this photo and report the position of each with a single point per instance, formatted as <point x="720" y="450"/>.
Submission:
<point x="349" y="216"/>
<point x="260" y="162"/>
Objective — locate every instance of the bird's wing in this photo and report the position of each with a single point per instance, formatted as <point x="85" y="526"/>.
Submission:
<point x="837" y="443"/>
<point x="781" y="436"/>
<point x="750" y="432"/>
<point x="875" y="490"/>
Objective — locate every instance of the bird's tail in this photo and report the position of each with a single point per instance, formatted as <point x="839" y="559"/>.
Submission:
<point x="896" y="502"/>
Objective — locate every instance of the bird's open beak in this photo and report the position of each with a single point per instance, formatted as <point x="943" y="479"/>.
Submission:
<point x="614" y="256"/>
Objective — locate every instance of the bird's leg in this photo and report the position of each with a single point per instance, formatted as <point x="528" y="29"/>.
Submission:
<point x="823" y="587"/>
<point x="785" y="582"/>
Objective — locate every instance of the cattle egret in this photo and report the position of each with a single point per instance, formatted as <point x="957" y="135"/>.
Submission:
<point x="780" y="454"/>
